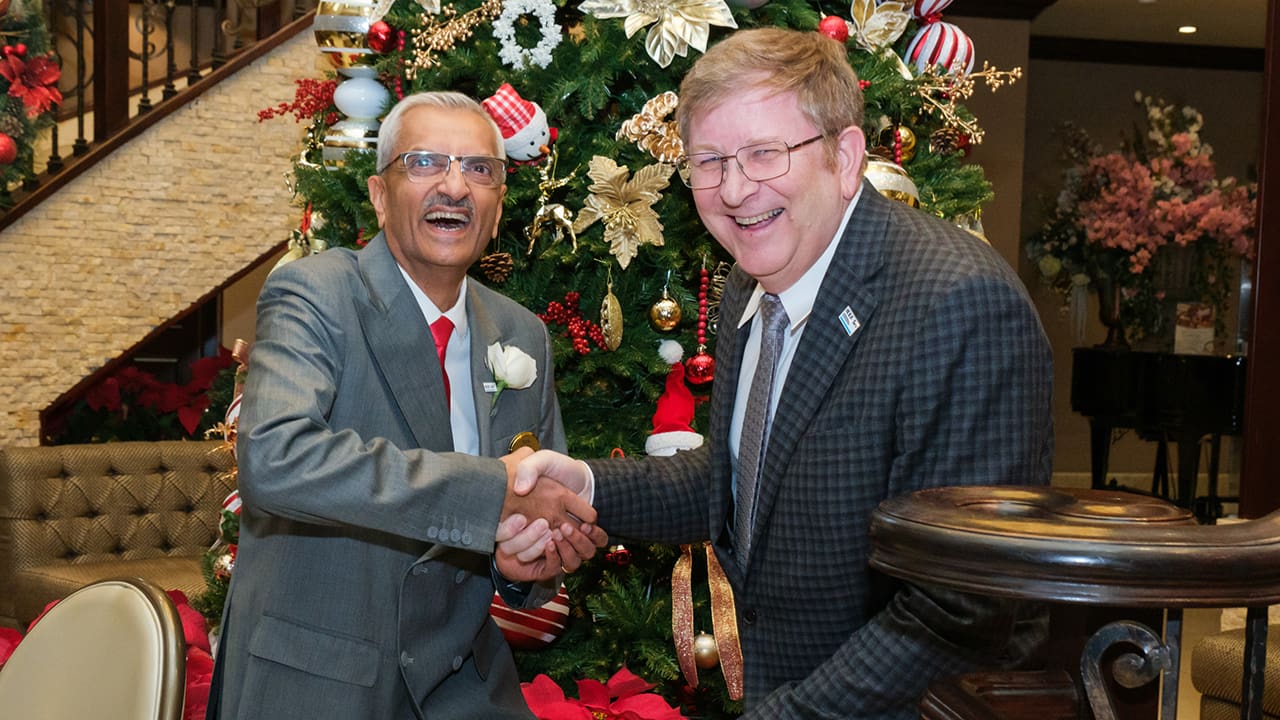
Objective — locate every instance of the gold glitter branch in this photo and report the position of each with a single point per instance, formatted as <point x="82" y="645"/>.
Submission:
<point x="942" y="92"/>
<point x="434" y="35"/>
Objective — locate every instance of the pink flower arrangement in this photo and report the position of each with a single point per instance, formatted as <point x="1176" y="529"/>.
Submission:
<point x="1120" y="213"/>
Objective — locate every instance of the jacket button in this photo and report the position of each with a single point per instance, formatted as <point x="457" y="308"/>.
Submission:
<point x="455" y="535"/>
<point x="466" y="538"/>
<point x="433" y="532"/>
<point x="419" y="569"/>
<point x="457" y="662"/>
<point x="749" y="616"/>
<point x="405" y="659"/>
<point x="462" y="575"/>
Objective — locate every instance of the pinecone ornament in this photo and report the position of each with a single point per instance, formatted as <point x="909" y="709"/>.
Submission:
<point x="944" y="141"/>
<point x="497" y="267"/>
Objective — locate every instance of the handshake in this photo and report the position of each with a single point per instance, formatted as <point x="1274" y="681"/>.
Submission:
<point x="547" y="524"/>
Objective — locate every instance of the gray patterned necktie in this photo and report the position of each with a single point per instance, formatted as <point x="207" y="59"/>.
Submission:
<point x="755" y="423"/>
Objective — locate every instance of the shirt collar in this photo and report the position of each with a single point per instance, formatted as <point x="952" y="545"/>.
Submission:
<point x="456" y="314"/>
<point x="798" y="299"/>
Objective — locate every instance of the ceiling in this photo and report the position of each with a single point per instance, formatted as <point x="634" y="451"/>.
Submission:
<point x="1222" y="23"/>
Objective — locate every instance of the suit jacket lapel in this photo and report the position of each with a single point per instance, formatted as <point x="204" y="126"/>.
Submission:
<point x="484" y="332"/>
<point x="730" y="344"/>
<point x="399" y="343"/>
<point x="826" y="344"/>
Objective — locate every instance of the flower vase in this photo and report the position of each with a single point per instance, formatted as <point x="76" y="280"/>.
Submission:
<point x="1109" y="313"/>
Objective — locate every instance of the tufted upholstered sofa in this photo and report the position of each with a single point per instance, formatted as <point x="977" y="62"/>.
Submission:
<point x="74" y="514"/>
<point x="1217" y="671"/>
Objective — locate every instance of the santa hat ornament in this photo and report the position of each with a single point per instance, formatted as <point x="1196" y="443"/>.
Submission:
<point x="672" y="422"/>
<point x="525" y="133"/>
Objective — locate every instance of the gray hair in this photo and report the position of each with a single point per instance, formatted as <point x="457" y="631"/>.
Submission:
<point x="389" y="132"/>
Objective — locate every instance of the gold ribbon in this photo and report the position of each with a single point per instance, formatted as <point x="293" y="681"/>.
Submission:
<point x="724" y="619"/>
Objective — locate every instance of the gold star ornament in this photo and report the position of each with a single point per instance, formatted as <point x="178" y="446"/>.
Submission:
<point x="677" y="24"/>
<point x="625" y="205"/>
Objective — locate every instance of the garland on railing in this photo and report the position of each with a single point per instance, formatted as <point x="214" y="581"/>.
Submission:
<point x="29" y="94"/>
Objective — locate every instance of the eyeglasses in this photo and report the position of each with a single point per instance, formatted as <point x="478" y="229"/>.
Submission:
<point x="765" y="161"/>
<point x="480" y="170"/>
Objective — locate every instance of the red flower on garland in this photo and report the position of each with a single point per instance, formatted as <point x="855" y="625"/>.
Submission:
<point x="35" y="82"/>
<point x="622" y="698"/>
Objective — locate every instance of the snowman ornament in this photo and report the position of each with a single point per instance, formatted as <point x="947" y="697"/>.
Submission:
<point x="526" y="136"/>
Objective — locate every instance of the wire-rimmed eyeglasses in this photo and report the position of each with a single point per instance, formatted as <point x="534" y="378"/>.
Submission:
<point x="760" y="162"/>
<point x="421" y="165"/>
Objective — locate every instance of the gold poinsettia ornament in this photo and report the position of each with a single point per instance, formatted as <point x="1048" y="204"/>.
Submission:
<point x="625" y="205"/>
<point x="652" y="131"/>
<point x="677" y="24"/>
<point x="878" y="25"/>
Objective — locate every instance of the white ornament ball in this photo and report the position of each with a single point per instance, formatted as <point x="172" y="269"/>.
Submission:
<point x="941" y="43"/>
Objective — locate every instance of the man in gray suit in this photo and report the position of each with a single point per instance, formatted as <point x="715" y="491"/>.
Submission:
<point x="904" y="354"/>
<point x="375" y="453"/>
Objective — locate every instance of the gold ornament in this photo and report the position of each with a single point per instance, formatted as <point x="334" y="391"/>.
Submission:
<point x="559" y="217"/>
<point x="497" y="267"/>
<point x="892" y="182"/>
<point x="624" y="205"/>
<point x="611" y="319"/>
<point x="433" y="36"/>
<point x="878" y="25"/>
<point x="705" y="653"/>
<point x="901" y="137"/>
<point x="650" y="129"/>
<point x="942" y="93"/>
<point x="679" y="23"/>
<point x="665" y="314"/>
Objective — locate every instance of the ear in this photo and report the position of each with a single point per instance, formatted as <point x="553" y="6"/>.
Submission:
<point x="851" y="152"/>
<point x="377" y="194"/>
<point x="497" y="221"/>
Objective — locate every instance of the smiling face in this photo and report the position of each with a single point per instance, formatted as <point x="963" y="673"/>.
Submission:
<point x="436" y="228"/>
<point x="775" y="229"/>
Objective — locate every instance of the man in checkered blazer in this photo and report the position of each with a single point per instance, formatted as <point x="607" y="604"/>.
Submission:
<point x="910" y="358"/>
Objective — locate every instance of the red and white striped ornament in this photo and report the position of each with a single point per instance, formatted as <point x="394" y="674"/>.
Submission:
<point x="941" y="43"/>
<point x="232" y="503"/>
<point x="929" y="10"/>
<point x="531" y="629"/>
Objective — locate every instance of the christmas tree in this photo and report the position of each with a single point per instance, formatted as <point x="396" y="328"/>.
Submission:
<point x="599" y="237"/>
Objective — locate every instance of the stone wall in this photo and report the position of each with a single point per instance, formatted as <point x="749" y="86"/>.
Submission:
<point x="141" y="236"/>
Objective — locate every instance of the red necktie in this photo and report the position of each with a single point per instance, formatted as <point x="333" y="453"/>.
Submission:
<point x="440" y="330"/>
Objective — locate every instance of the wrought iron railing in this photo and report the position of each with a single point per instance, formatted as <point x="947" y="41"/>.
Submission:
<point x="126" y="63"/>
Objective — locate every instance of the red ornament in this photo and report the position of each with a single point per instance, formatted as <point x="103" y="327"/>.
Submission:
<point x="834" y="27"/>
<point x="8" y="149"/>
<point x="531" y="629"/>
<point x="618" y="555"/>
<point x="381" y="37"/>
<point x="701" y="368"/>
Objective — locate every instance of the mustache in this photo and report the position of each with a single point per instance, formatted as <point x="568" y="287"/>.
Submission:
<point x="443" y="200"/>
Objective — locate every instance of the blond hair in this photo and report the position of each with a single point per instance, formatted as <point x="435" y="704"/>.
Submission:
<point x="810" y="64"/>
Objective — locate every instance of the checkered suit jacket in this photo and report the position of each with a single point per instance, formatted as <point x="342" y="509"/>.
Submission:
<point x="947" y="382"/>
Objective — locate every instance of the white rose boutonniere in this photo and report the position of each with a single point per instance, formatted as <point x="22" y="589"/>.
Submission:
<point x="512" y="368"/>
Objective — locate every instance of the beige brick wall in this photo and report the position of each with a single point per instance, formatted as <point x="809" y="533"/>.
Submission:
<point x="141" y="236"/>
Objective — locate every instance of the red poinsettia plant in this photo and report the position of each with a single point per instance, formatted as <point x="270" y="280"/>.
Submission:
<point x="33" y="80"/>
<point x="624" y="696"/>
<point x="132" y="404"/>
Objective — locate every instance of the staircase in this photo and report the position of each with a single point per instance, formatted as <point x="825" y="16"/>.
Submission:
<point x="173" y="210"/>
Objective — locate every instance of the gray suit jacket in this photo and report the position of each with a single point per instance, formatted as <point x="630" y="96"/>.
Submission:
<point x="947" y="382"/>
<point x="363" y="580"/>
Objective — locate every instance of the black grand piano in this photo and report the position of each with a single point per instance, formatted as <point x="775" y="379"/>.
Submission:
<point x="1165" y="398"/>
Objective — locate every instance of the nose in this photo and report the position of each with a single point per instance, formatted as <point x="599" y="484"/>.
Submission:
<point x="453" y="183"/>
<point x="735" y="186"/>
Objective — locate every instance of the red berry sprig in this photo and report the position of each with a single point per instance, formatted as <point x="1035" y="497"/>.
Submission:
<point x="578" y="329"/>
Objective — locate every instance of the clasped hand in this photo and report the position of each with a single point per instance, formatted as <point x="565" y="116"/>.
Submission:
<point x="546" y="526"/>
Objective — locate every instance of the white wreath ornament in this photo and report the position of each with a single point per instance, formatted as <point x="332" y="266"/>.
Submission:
<point x="511" y="53"/>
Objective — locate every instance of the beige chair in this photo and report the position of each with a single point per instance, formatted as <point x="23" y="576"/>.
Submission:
<point x="113" y="650"/>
